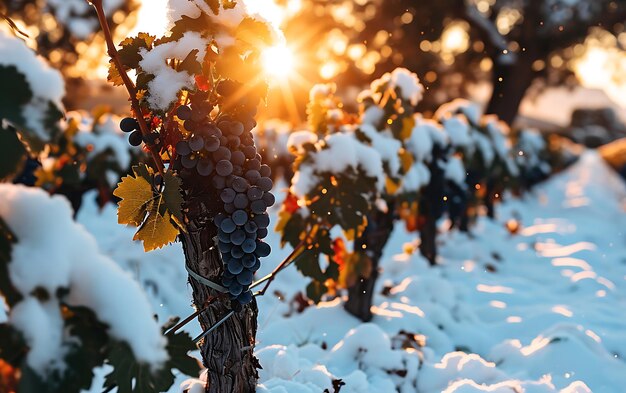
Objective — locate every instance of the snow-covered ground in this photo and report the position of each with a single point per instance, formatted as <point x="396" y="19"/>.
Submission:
<point x="543" y="310"/>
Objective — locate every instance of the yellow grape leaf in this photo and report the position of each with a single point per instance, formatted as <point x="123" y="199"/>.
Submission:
<point x="114" y="75"/>
<point x="157" y="231"/>
<point x="136" y="194"/>
<point x="408" y="123"/>
<point x="283" y="219"/>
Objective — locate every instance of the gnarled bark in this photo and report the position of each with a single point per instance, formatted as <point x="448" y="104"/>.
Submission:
<point x="227" y="353"/>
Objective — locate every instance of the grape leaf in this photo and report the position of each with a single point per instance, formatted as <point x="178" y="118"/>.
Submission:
<point x="113" y="75"/>
<point x="214" y="5"/>
<point x="172" y="197"/>
<point x="130" y="47"/>
<point x="190" y="64"/>
<point x="136" y="196"/>
<point x="157" y="231"/>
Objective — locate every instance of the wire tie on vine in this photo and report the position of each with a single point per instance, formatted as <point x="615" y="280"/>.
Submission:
<point x="212" y="328"/>
<point x="205" y="281"/>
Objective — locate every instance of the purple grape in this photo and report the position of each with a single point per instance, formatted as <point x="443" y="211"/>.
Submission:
<point x="183" y="112"/>
<point x="258" y="207"/>
<point x="204" y="167"/>
<point x="240" y="184"/>
<point x="226" y="272"/>
<point x="241" y="201"/>
<point x="236" y="128"/>
<point x="196" y="142"/>
<point x="224" y="168"/>
<point x="256" y="266"/>
<point x="135" y="138"/>
<point x="252" y="176"/>
<point x="262" y="220"/>
<point x="245" y="277"/>
<point x="250" y="227"/>
<point x="265" y="171"/>
<point x="253" y="164"/>
<point x="129" y="124"/>
<point x="262" y="233"/>
<point x="262" y="249"/>
<point x="219" y="182"/>
<point x="182" y="148"/>
<point x="245" y="297"/>
<point x="236" y="252"/>
<point x="228" y="195"/>
<point x="238" y="237"/>
<point x="235" y="266"/>
<point x="223" y="153"/>
<point x="248" y="245"/>
<point x="212" y="144"/>
<point x="188" y="162"/>
<point x="249" y="260"/>
<point x="224" y="247"/>
<point x="249" y="151"/>
<point x="238" y="158"/>
<point x="224" y="125"/>
<point x="269" y="199"/>
<point x="228" y="225"/>
<point x="265" y="183"/>
<point x="239" y="217"/>
<point x="219" y="217"/>
<point x="223" y="236"/>
<point x="227" y="281"/>
<point x="235" y="288"/>
<point x="254" y="193"/>
<point x="229" y="208"/>
<point x="233" y="142"/>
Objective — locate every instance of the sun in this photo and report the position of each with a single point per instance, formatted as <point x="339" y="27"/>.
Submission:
<point x="278" y="61"/>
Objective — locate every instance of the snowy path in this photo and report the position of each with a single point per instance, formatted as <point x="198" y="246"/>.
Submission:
<point x="540" y="311"/>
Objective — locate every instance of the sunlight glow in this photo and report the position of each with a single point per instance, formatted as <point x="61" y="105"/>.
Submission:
<point x="278" y="61"/>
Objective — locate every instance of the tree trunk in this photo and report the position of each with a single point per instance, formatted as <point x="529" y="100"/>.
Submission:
<point x="227" y="353"/>
<point x="510" y="82"/>
<point x="428" y="234"/>
<point x="374" y="238"/>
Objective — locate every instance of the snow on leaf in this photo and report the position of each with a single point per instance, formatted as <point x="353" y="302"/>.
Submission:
<point x="136" y="196"/>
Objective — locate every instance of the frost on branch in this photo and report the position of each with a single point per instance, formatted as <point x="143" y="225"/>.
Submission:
<point x="58" y="276"/>
<point x="30" y="98"/>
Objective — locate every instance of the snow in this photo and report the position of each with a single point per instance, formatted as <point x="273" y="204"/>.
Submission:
<point x="77" y="15"/>
<point x="406" y="81"/>
<point x="386" y="145"/>
<point x="547" y="317"/>
<point x="455" y="171"/>
<point x="335" y="154"/>
<point x="54" y="252"/>
<point x="168" y="82"/>
<point x="298" y="139"/>
<point x="46" y="83"/>
<point x="102" y="136"/>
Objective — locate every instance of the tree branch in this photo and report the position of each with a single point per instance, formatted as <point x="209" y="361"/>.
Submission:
<point x="130" y="86"/>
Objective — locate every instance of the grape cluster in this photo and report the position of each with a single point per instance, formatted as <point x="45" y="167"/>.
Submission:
<point x="222" y="151"/>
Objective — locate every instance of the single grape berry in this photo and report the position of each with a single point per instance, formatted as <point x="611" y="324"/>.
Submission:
<point x="245" y="297"/>
<point x="241" y="201"/>
<point x="253" y="176"/>
<point x="262" y="220"/>
<point x="183" y="112"/>
<point x="224" y="168"/>
<point x="204" y="167"/>
<point x="182" y="148"/>
<point x="262" y="233"/>
<point x="238" y="237"/>
<point x="222" y="153"/>
<point x="236" y="252"/>
<point x="135" y="138"/>
<point x="245" y="277"/>
<point x="238" y="158"/>
<point x="250" y="227"/>
<point x="228" y="225"/>
<point x="236" y="128"/>
<point x="248" y="246"/>
<point x="262" y="249"/>
<point x="224" y="247"/>
<point x="196" y="142"/>
<point x="253" y="164"/>
<point x="128" y="124"/>
<point x="233" y="142"/>
<point x="257" y="207"/>
<point x="248" y="260"/>
<point x="240" y="217"/>
<point x="269" y="199"/>
<point x="235" y="266"/>
<point x="223" y="236"/>
<point x="188" y="162"/>
<point x="265" y="183"/>
<point x="235" y="288"/>
<point x="228" y="195"/>
<point x="249" y="151"/>
<point x="219" y="217"/>
<point x="254" y="193"/>
<point x="265" y="171"/>
<point x="211" y="144"/>
<point x="240" y="184"/>
<point x="229" y="208"/>
<point x="224" y="125"/>
<point x="227" y="281"/>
